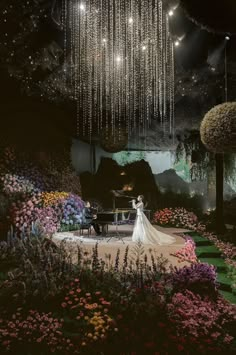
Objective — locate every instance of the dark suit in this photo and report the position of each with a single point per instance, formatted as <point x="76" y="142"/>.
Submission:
<point x="88" y="219"/>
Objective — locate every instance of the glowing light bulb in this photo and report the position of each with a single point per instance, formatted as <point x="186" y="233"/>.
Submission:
<point x="171" y="13"/>
<point x="131" y="20"/>
<point x="82" y="7"/>
<point x="144" y="48"/>
<point x="104" y="40"/>
<point x="177" y="43"/>
<point x="118" y="59"/>
<point x="227" y="38"/>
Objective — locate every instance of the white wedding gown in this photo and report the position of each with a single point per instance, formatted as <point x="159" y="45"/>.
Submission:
<point x="145" y="233"/>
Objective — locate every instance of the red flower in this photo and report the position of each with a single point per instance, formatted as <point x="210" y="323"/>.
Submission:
<point x="180" y="347"/>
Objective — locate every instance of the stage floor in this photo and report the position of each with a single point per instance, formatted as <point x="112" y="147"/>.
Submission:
<point x="107" y="248"/>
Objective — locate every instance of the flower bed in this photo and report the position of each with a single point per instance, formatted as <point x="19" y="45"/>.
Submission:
<point x="93" y="307"/>
<point x="187" y="253"/>
<point x="175" y="217"/>
<point x="29" y="188"/>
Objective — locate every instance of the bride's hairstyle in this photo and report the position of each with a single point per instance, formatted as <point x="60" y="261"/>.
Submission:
<point x="145" y="203"/>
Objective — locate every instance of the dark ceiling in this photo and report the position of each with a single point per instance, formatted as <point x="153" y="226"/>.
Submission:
<point x="31" y="52"/>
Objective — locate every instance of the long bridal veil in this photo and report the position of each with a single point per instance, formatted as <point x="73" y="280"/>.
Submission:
<point x="145" y="233"/>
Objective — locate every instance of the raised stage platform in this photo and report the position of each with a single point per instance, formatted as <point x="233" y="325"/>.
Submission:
<point x="108" y="245"/>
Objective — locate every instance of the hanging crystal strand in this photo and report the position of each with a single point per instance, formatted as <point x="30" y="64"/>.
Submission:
<point x="107" y="65"/>
<point x="143" y="77"/>
<point x="72" y="41"/>
<point x="119" y="71"/>
<point x="136" y="71"/>
<point x="155" y="61"/>
<point x="84" y="68"/>
<point x="121" y="64"/>
<point x="91" y="59"/>
<point x="160" y="61"/>
<point x="172" y="82"/>
<point x="165" y="31"/>
<point x="112" y="48"/>
<point x="168" y="85"/>
<point x="149" y="64"/>
<point x="64" y="25"/>
<point x="76" y="69"/>
<point x="122" y="19"/>
<point x="123" y="78"/>
<point x="100" y="73"/>
<point x="101" y="77"/>
<point x="130" y="68"/>
<point x="129" y="74"/>
<point x="95" y="67"/>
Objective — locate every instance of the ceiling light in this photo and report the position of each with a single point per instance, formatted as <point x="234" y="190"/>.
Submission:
<point x="82" y="7"/>
<point x="171" y="13"/>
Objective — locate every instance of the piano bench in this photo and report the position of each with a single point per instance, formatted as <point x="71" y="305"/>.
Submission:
<point x="85" y="227"/>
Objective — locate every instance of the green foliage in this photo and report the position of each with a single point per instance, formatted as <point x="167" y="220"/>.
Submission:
<point x="127" y="157"/>
<point x="34" y="270"/>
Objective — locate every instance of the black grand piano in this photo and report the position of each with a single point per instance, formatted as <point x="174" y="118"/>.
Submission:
<point x="117" y="217"/>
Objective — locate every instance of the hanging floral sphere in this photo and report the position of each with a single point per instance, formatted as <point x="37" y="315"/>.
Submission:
<point x="114" y="142"/>
<point x="215" y="16"/>
<point x="218" y="128"/>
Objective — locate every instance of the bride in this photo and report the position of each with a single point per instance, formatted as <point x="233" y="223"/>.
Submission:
<point x="143" y="231"/>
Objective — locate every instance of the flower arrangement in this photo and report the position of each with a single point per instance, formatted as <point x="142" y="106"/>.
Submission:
<point x="90" y="310"/>
<point x="14" y="184"/>
<point x="54" y="197"/>
<point x="47" y="219"/>
<point x="202" y="318"/>
<point x="199" y="277"/>
<point x="33" y="328"/>
<point x="24" y="214"/>
<point x="72" y="210"/>
<point x="228" y="249"/>
<point x="178" y="217"/>
<point x="187" y="253"/>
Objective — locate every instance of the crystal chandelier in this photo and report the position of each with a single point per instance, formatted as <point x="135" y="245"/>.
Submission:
<point x="121" y="65"/>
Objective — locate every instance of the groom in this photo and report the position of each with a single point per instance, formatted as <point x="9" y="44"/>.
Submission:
<point x="90" y="218"/>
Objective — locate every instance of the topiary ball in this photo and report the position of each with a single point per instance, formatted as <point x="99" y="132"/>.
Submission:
<point x="218" y="128"/>
<point x="213" y="15"/>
